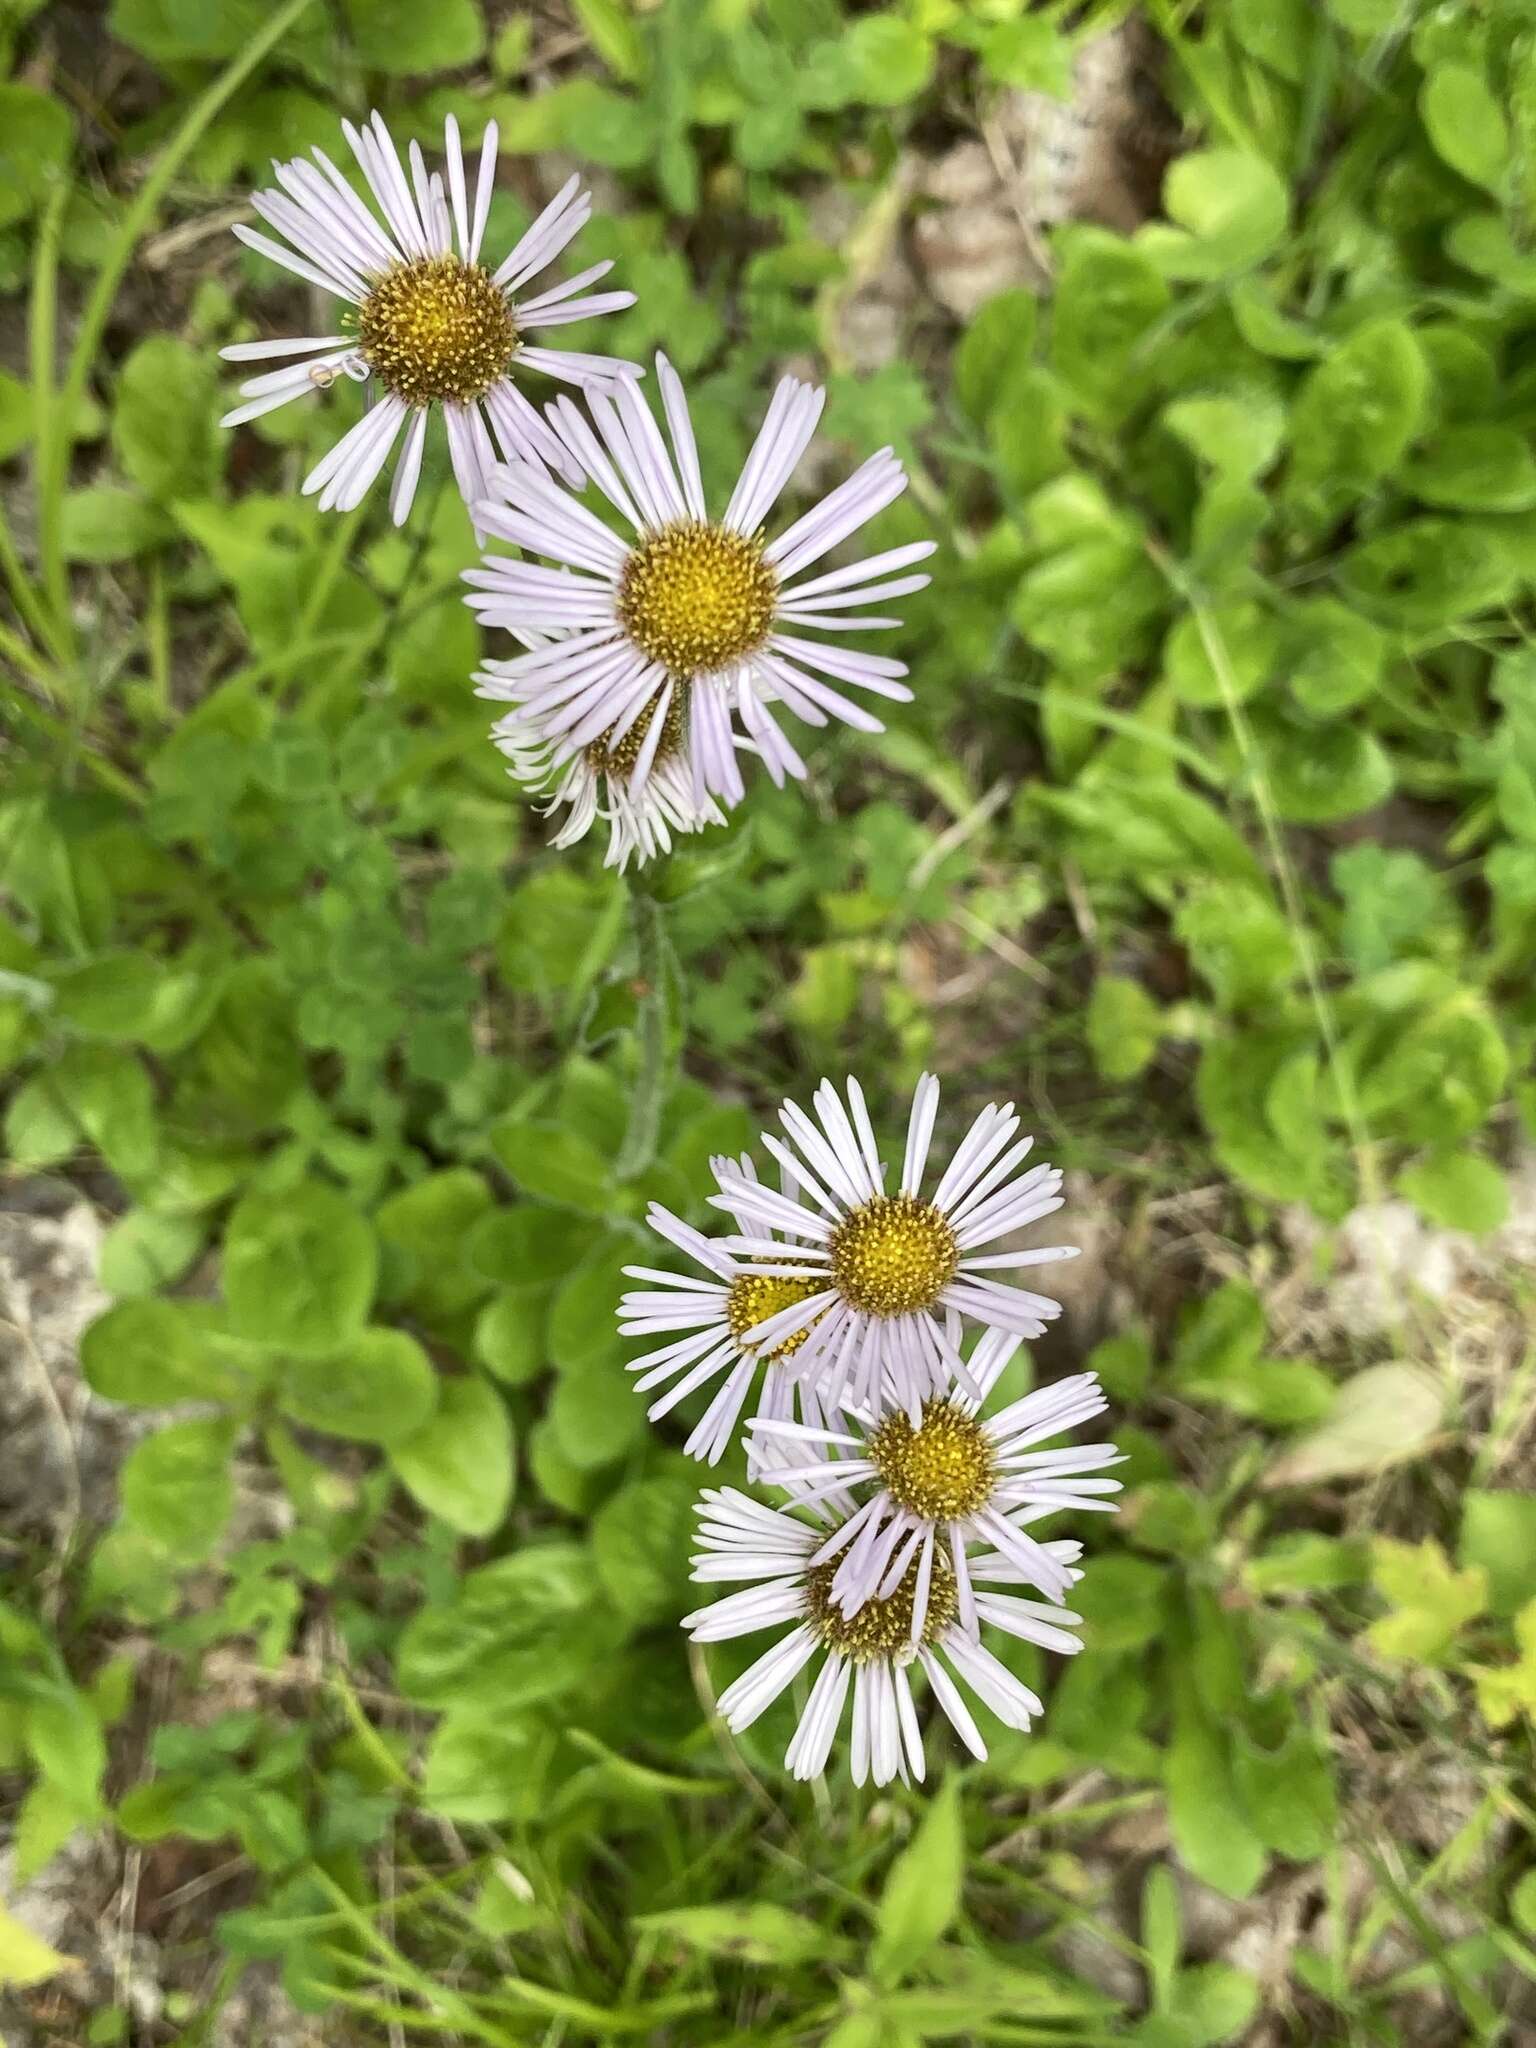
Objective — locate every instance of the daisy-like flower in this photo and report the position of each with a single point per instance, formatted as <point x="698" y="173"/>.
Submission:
<point x="694" y="608"/>
<point x="720" y="1315"/>
<point x="772" y="1553"/>
<point x="431" y="326"/>
<point x="593" y="781"/>
<point x="952" y="1480"/>
<point x="886" y="1281"/>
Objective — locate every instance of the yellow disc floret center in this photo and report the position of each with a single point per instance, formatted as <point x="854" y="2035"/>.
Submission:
<point x="754" y="1297"/>
<point x="943" y="1469"/>
<point x="610" y="756"/>
<point x="882" y="1628"/>
<point x="437" y="328"/>
<point x="696" y="597"/>
<point x="893" y="1256"/>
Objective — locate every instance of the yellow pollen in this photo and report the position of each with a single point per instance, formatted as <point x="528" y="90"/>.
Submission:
<point x="882" y="1628"/>
<point x="437" y="329"/>
<point x="695" y="597"/>
<point x="610" y="757"/>
<point x="754" y="1297"/>
<point x="893" y="1256"/>
<point x="943" y="1469"/>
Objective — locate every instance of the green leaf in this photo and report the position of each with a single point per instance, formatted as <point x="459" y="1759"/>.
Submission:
<point x="1498" y="1537"/>
<point x="152" y="1353"/>
<point x="523" y="1629"/>
<point x="1429" y="573"/>
<point x="26" y="1959"/>
<point x="1354" y="419"/>
<point x="554" y="1164"/>
<point x="299" y="1269"/>
<point x="641" y="1537"/>
<point x="1460" y="1190"/>
<point x="510" y="1337"/>
<point x="1211" y="1832"/>
<point x="921" y="1895"/>
<point x="1124" y="1026"/>
<point x="483" y="1768"/>
<point x="1247" y="642"/>
<point x="741" y="1931"/>
<point x="888" y="59"/>
<point x="1382" y="1415"/>
<point x="1232" y="209"/>
<point x="1319" y="774"/>
<point x="1284" y="1780"/>
<point x="559" y="931"/>
<point x="612" y="33"/>
<point x="105" y="524"/>
<point x="177" y="1487"/>
<point x="997" y="342"/>
<point x="459" y="1465"/>
<point x="596" y="1415"/>
<point x="1238" y="941"/>
<point x="1430" y="1600"/>
<point x="404" y="39"/>
<point x="163" y="430"/>
<point x="37" y="133"/>
<point x="1332" y="658"/>
<point x="1466" y="124"/>
<point x="1107" y="301"/>
<point x="1474" y="469"/>
<point x="378" y="1388"/>
<point x="114" y="996"/>
<point x="426" y="1229"/>
<point x="144" y="1251"/>
<point x="68" y="1746"/>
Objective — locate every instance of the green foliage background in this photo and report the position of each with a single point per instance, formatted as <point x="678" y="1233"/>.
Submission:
<point x="1217" y="804"/>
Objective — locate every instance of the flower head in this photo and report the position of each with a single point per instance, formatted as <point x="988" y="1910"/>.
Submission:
<point x="896" y="1274"/>
<point x="707" y="606"/>
<point x="872" y="1652"/>
<point x="594" y="781"/>
<point x="719" y="1315"/>
<point x="430" y="324"/>
<point x="949" y="1479"/>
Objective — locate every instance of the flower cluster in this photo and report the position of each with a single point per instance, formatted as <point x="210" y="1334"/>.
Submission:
<point x="650" y="658"/>
<point x="864" y="1313"/>
<point x="658" y="643"/>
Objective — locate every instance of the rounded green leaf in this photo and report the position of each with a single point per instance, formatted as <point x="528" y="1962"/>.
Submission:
<point x="299" y="1269"/>
<point x="459" y="1464"/>
<point x="641" y="1537"/>
<point x="37" y="133"/>
<point x="177" y="1487"/>
<point x="1475" y="469"/>
<point x="378" y="1388"/>
<point x="1465" y="122"/>
<point x="1243" y="638"/>
<point x="1460" y="1190"/>
<point x="152" y="1353"/>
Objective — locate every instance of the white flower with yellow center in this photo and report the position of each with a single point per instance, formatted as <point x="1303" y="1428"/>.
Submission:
<point x="950" y="1480"/>
<point x="719" y="1315"/>
<point x="695" y="605"/>
<point x="894" y="1276"/>
<point x="872" y="1653"/>
<point x="430" y="324"/>
<point x="593" y="782"/>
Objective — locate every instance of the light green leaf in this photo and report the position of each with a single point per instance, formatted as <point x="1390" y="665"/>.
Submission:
<point x="1430" y="1600"/>
<point x="404" y="39"/>
<point x="459" y="1464"/>
<point x="37" y="133"/>
<point x="299" y="1269"/>
<point x="1124" y="1025"/>
<point x="1382" y="1415"/>
<point x="742" y="1931"/>
<point x="377" y="1388"/>
<point x="1498" y="1537"/>
<point x="1461" y="1190"/>
<point x="177" y="1487"/>
<point x="26" y="1959"/>
<point x="1466" y="124"/>
<point x="922" y="1890"/>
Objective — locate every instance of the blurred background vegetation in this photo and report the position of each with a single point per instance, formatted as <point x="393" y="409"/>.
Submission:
<point x="341" y="1694"/>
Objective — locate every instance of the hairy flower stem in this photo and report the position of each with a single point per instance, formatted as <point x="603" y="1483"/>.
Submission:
<point x="639" y="1146"/>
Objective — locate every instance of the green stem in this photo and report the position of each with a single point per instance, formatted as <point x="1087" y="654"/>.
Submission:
<point x="52" y="453"/>
<point x="639" y="1146"/>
